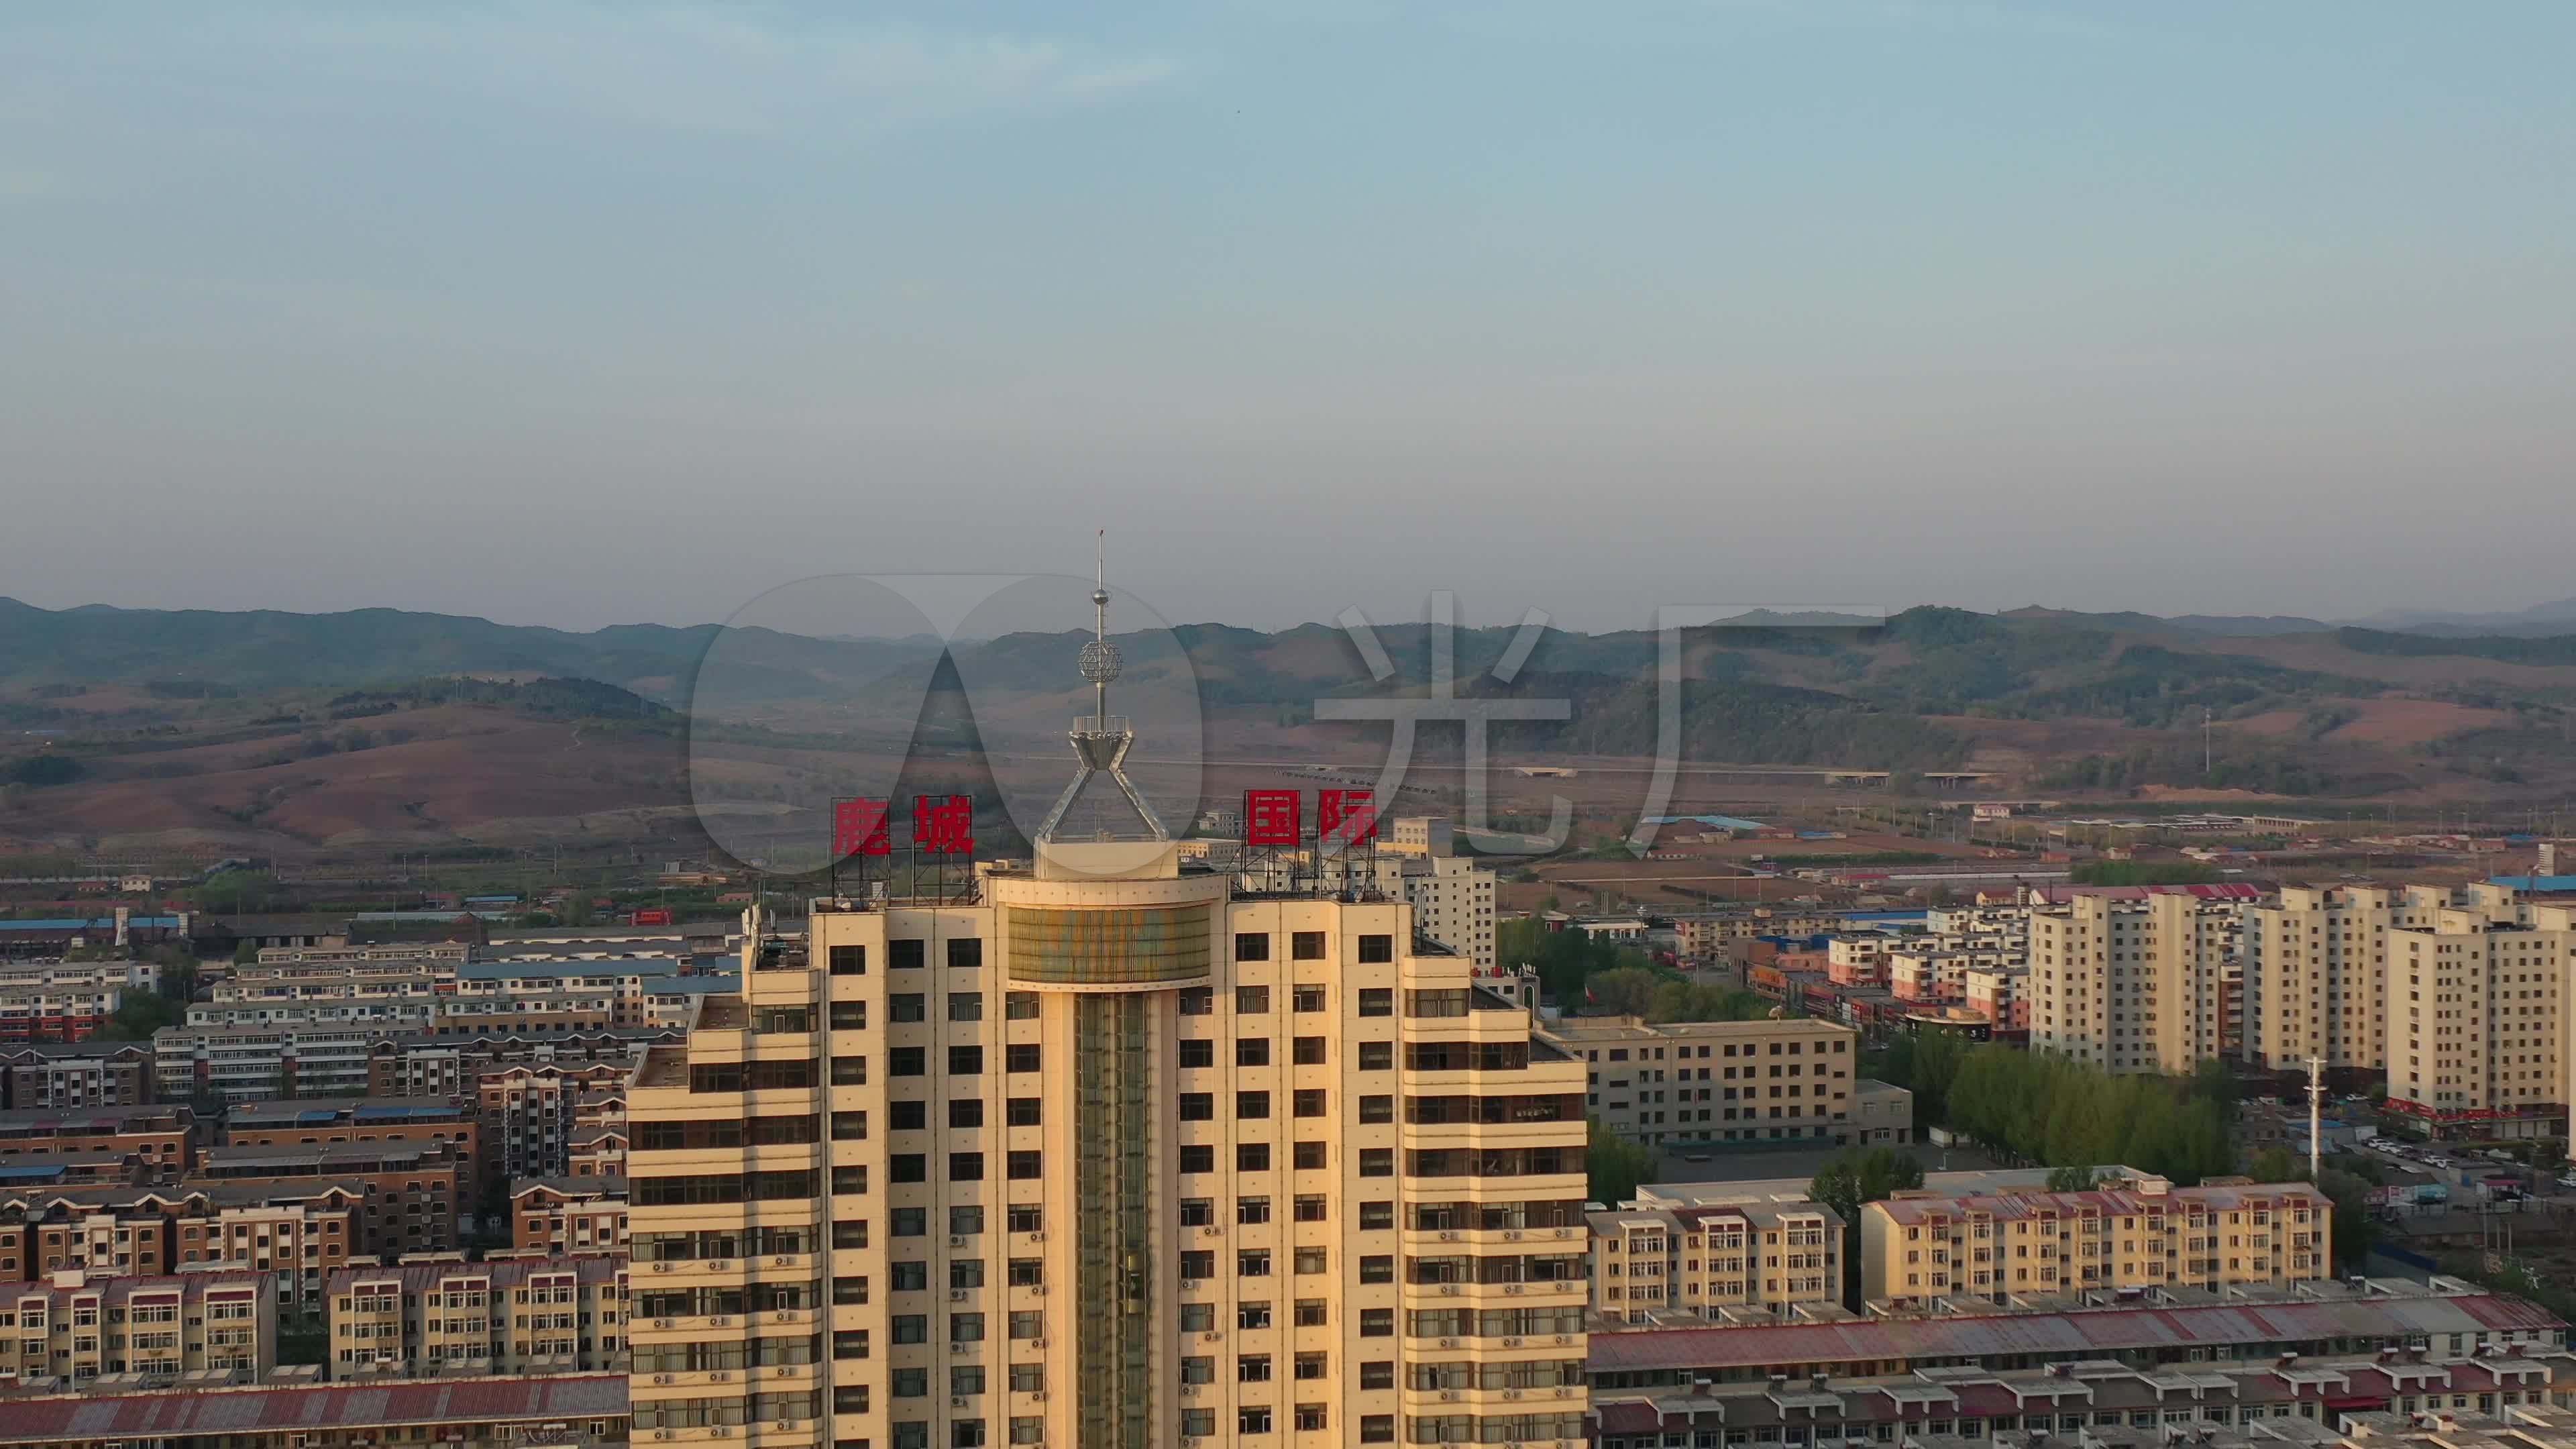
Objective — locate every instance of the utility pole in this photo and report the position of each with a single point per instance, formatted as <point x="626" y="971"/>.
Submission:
<point x="2207" y="759"/>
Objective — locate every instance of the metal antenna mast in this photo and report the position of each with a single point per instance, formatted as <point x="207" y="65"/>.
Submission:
<point x="1100" y="743"/>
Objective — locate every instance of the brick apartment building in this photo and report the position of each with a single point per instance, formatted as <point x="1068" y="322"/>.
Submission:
<point x="411" y="1192"/>
<point x="312" y="1122"/>
<point x="164" y="1135"/>
<point x="75" y="1075"/>
<point x="569" y="1215"/>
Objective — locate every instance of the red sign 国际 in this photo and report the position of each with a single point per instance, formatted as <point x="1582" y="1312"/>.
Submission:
<point x="1270" y="817"/>
<point x="1345" y="816"/>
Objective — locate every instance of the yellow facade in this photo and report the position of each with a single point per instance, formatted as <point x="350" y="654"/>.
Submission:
<point x="1112" y="1156"/>
<point x="2147" y="1235"/>
<point x="1651" y="1264"/>
<point x="2133" y="986"/>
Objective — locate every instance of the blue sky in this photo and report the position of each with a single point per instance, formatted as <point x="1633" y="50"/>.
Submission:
<point x="581" y="314"/>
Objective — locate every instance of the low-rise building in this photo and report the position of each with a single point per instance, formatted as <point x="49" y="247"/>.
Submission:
<point x="444" y="1067"/>
<point x="512" y="1317"/>
<point x="311" y="1122"/>
<point x="1714" y="1261"/>
<point x="163" y="1135"/>
<point x="569" y="1215"/>
<point x="586" y="1410"/>
<point x="2224" y="1396"/>
<point x="260" y="1063"/>
<point x="2413" y="1325"/>
<point x="78" y="1327"/>
<point x="89" y="1073"/>
<point x="1715" y="1081"/>
<point x="412" y="1197"/>
<point x="2143" y="1234"/>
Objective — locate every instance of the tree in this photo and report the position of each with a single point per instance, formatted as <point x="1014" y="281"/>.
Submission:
<point x="2276" y="1164"/>
<point x="2355" y="1229"/>
<point x="2070" y="1179"/>
<point x="246" y="954"/>
<point x="1616" y="1165"/>
<point x="1627" y="991"/>
<point x="1854" y="1177"/>
<point x="1860" y="1175"/>
<point x="139" y="1016"/>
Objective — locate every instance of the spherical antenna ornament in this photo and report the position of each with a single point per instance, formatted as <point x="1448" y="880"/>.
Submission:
<point x="1099" y="661"/>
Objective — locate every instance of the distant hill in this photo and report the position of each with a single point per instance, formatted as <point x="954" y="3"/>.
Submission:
<point x="2556" y="617"/>
<point x="267" y="649"/>
<point x="1927" y="688"/>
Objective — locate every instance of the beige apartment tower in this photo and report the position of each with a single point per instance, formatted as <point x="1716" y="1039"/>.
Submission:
<point x="1114" y="1156"/>
<point x="2133" y="986"/>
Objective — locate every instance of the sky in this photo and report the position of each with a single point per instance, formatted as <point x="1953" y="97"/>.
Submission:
<point x="580" y="314"/>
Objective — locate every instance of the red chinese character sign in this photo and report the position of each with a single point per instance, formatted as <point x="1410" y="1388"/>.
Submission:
<point x="1270" y="817"/>
<point x="943" y="824"/>
<point x="1344" y="817"/>
<point x="859" y="828"/>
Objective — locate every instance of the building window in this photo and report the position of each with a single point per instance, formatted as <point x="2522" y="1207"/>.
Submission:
<point x="1377" y="1056"/>
<point x="1308" y="1102"/>
<point x="1197" y="1106"/>
<point x="1252" y="1157"/>
<point x="1306" y="1051"/>
<point x="1022" y="1166"/>
<point x="1251" y="1106"/>
<point x="1251" y="1000"/>
<point x="1023" y="1112"/>
<point x="1306" y="998"/>
<point x="966" y="951"/>
<point x="1252" y="1051"/>
<point x="1376" y="950"/>
<point x="1306" y="945"/>
<point x="965" y="1112"/>
<point x="1252" y="945"/>
<point x="904" y="954"/>
<point x="849" y="960"/>
<point x="1377" y="1001"/>
<point x="965" y="1061"/>
<point x="966" y="1006"/>
<point x="965" y="1167"/>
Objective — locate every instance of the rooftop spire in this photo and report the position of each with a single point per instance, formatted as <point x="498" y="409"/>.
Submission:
<point x="1100" y="743"/>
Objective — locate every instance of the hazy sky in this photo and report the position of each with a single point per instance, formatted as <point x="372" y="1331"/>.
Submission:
<point x="580" y="314"/>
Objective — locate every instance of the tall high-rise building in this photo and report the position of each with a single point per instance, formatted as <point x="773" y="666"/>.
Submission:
<point x="2316" y="972"/>
<point x="1108" y="1152"/>
<point x="2459" y="995"/>
<point x="2134" y="986"/>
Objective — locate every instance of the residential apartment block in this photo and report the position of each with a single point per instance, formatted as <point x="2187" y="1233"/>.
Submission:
<point x="1715" y="1081"/>
<point x="1113" y="1154"/>
<point x="2134" y="985"/>
<point x="512" y="1317"/>
<point x="2145" y="1234"/>
<point x="2459" y="996"/>
<point x="569" y="1215"/>
<point x="73" y="1075"/>
<point x="77" y="1327"/>
<point x="1748" y="1262"/>
<point x="163" y="1136"/>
